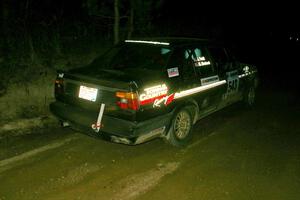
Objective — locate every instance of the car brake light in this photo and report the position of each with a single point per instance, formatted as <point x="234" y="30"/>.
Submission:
<point x="127" y="100"/>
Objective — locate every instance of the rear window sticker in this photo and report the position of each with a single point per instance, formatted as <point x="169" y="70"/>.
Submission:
<point x="197" y="57"/>
<point x="172" y="72"/>
<point x="201" y="61"/>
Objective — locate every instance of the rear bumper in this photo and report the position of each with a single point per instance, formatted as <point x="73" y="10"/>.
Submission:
<point x="113" y="129"/>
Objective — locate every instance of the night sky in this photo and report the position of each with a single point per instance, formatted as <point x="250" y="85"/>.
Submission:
<point x="263" y="29"/>
<point x="252" y="19"/>
<point x="238" y="18"/>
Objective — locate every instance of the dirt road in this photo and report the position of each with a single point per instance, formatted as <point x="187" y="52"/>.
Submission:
<point x="235" y="154"/>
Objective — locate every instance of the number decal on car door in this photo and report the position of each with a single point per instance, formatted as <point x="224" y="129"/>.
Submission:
<point x="232" y="82"/>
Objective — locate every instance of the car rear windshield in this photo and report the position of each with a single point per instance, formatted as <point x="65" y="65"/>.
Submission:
<point x="141" y="56"/>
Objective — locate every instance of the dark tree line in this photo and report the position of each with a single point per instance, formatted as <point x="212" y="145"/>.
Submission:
<point x="31" y="27"/>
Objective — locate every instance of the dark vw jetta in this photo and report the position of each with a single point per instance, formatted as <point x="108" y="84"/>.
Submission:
<point x="142" y="89"/>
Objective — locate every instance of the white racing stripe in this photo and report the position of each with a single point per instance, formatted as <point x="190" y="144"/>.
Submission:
<point x="6" y="164"/>
<point x="246" y="74"/>
<point x="147" y="42"/>
<point x="206" y="87"/>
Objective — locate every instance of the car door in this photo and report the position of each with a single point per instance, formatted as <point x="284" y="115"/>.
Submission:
<point x="228" y="70"/>
<point x="206" y="78"/>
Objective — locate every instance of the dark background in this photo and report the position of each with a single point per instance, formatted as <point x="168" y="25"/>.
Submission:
<point x="265" y="32"/>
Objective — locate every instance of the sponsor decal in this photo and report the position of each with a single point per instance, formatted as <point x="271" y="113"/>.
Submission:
<point x="172" y="72"/>
<point x="152" y="93"/>
<point x="164" y="100"/>
<point x="209" y="80"/>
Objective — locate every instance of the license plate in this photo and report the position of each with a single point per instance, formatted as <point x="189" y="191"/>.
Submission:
<point x="88" y="93"/>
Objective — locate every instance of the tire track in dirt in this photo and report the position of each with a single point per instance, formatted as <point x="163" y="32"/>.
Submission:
<point x="135" y="185"/>
<point x="9" y="162"/>
<point x="193" y="145"/>
<point x="73" y="177"/>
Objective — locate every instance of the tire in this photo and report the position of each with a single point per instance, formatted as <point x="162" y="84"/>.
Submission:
<point x="179" y="133"/>
<point x="250" y="97"/>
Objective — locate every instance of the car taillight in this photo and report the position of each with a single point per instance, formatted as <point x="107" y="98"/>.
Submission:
<point x="59" y="86"/>
<point x="127" y="100"/>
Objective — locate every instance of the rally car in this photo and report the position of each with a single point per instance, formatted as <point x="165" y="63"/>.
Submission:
<point x="143" y="89"/>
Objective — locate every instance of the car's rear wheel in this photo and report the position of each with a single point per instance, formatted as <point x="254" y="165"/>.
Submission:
<point x="180" y="131"/>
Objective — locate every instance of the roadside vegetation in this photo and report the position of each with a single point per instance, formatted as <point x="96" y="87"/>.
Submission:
<point x="28" y="65"/>
<point x="38" y="39"/>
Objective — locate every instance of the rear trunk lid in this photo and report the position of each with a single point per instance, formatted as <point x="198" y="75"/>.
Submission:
<point x="88" y="92"/>
<point x="89" y="89"/>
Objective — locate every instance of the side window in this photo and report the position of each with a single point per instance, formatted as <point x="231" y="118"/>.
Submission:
<point x="218" y="54"/>
<point x="230" y="54"/>
<point x="179" y="63"/>
<point x="221" y="60"/>
<point x="200" y="61"/>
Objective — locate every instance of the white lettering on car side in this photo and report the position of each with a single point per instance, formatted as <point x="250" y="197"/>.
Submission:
<point x="152" y="93"/>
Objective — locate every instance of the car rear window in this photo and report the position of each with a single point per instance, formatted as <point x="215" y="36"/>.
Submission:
<point x="142" y="56"/>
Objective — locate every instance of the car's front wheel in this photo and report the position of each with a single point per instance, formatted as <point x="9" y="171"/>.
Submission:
<point x="180" y="131"/>
<point x="250" y="97"/>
